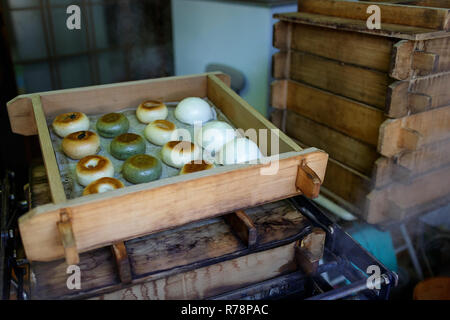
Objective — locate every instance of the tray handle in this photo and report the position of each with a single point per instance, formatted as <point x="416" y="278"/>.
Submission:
<point x="308" y="182"/>
<point x="67" y="237"/>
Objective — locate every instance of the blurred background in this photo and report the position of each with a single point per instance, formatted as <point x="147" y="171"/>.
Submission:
<point x="118" y="41"/>
<point x="124" y="40"/>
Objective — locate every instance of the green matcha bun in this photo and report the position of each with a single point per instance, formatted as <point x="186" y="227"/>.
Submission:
<point x="141" y="168"/>
<point x="126" y="145"/>
<point x="111" y="125"/>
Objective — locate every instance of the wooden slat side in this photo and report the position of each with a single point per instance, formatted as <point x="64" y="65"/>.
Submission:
<point x="426" y="17"/>
<point x="349" y="47"/>
<point x="422" y="3"/>
<point x="353" y="153"/>
<point x="429" y="157"/>
<point x="418" y="95"/>
<point x="360" y="84"/>
<point x="345" y="186"/>
<point x="210" y="280"/>
<point x="347" y="183"/>
<point x="412" y="132"/>
<point x="357" y="120"/>
<point x="246" y="117"/>
<point x="407" y="165"/>
<point x="436" y="86"/>
<point x="389" y="30"/>
<point x="97" y="270"/>
<point x="401" y="60"/>
<point x="274" y="222"/>
<point x="369" y="51"/>
<point x="243" y="186"/>
<point x="434" y="3"/>
<point x="440" y="47"/>
<point x="397" y="200"/>
<point x="51" y="166"/>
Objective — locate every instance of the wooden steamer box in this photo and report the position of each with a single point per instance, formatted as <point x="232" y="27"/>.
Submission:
<point x="377" y="101"/>
<point x="68" y="227"/>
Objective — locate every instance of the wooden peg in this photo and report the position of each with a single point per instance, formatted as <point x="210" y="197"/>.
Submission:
<point x="67" y="237"/>
<point x="401" y="59"/>
<point x="243" y="227"/>
<point x="394" y="211"/>
<point x="419" y="102"/>
<point x="410" y="139"/>
<point x="401" y="174"/>
<point x="308" y="182"/>
<point x="281" y="65"/>
<point x="396" y="104"/>
<point x="309" y="250"/>
<point x="278" y="94"/>
<point x="281" y="36"/>
<point x="123" y="263"/>
<point x="425" y="63"/>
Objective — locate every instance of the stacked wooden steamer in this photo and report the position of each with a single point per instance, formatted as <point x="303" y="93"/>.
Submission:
<point x="377" y="101"/>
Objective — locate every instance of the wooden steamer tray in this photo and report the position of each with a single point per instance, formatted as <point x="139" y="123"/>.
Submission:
<point x="69" y="227"/>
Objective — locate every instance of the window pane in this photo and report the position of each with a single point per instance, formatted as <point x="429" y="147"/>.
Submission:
<point x="143" y="22"/>
<point x="112" y="67"/>
<point x="75" y="72"/>
<point x="36" y="77"/>
<point x="29" y="42"/>
<point x="15" y="4"/>
<point x="100" y="22"/>
<point x="65" y="2"/>
<point x="150" y="62"/>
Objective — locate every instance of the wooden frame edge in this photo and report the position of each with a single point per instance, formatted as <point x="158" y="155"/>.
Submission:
<point x="41" y="222"/>
<point x="51" y="166"/>
<point x="20" y="109"/>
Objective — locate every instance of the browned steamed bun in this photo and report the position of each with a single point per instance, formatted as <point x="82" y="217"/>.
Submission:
<point x="159" y="132"/>
<point x="151" y="110"/>
<point x="92" y="168"/>
<point x="195" y="166"/>
<point x="178" y="153"/>
<point x="70" y="122"/>
<point x="103" y="185"/>
<point x="80" y="144"/>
